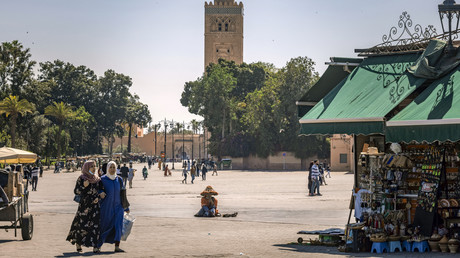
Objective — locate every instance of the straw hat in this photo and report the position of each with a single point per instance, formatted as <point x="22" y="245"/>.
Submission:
<point x="373" y="151"/>
<point x="209" y="190"/>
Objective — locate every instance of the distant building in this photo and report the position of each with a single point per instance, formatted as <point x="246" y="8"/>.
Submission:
<point x="223" y="31"/>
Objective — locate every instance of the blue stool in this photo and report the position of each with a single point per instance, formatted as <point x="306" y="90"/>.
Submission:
<point x="395" y="245"/>
<point x="421" y="246"/>
<point x="379" y="247"/>
<point x="406" y="246"/>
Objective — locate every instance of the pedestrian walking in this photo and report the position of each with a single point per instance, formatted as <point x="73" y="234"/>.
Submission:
<point x="309" y="179"/>
<point x="193" y="172"/>
<point x="167" y="171"/>
<point x="184" y="174"/>
<point x="197" y="169"/>
<point x="57" y="168"/>
<point x="214" y="169"/>
<point x="145" y="172"/>
<point x="41" y="171"/>
<point x="124" y="174"/>
<point x="131" y="174"/>
<point x="34" y="174"/>
<point x="327" y="168"/>
<point x="315" y="174"/>
<point x="85" y="228"/>
<point x="204" y="170"/>
<point x="112" y="209"/>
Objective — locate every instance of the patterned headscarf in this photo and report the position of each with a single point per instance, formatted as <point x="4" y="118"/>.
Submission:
<point x="86" y="175"/>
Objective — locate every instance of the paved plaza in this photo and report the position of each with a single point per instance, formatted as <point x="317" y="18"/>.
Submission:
<point x="272" y="207"/>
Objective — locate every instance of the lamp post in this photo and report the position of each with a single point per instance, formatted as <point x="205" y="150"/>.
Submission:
<point x="449" y="10"/>
<point x="157" y="126"/>
<point x="166" y="126"/>
<point x="172" y="142"/>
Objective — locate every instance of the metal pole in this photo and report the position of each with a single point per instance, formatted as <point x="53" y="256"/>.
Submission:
<point x="172" y="143"/>
<point x="204" y="143"/>
<point x="164" y="159"/>
<point x="156" y="139"/>
<point x="183" y="139"/>
<point x="193" y="134"/>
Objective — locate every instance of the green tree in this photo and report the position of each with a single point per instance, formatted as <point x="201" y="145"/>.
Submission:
<point x="13" y="107"/>
<point x="136" y="114"/>
<point x="74" y="85"/>
<point x="113" y="97"/>
<point x="61" y="112"/>
<point x="16" y="69"/>
<point x="80" y="127"/>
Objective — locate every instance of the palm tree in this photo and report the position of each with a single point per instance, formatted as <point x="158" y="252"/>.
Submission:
<point x="195" y="125"/>
<point x="61" y="112"/>
<point x="13" y="107"/>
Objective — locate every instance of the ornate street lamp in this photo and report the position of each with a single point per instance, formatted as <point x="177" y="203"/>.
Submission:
<point x="451" y="11"/>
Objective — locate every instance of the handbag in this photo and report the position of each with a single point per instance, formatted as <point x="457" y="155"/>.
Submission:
<point x="123" y="198"/>
<point x="77" y="198"/>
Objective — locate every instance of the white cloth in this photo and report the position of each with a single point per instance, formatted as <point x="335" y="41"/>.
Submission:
<point x="358" y="209"/>
<point x="114" y="176"/>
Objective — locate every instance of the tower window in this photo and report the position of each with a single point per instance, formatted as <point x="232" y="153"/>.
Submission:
<point x="226" y="26"/>
<point x="217" y="50"/>
<point x="228" y="50"/>
<point x="220" y="27"/>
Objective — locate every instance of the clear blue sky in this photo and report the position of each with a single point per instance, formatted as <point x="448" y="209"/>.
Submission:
<point x="160" y="44"/>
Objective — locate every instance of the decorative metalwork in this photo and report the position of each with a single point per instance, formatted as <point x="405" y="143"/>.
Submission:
<point x="390" y="75"/>
<point x="443" y="94"/>
<point x="409" y="38"/>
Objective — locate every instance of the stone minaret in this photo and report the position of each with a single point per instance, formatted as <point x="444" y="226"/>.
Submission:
<point x="223" y="31"/>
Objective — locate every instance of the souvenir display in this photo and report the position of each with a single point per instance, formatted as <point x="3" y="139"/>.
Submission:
<point x="410" y="195"/>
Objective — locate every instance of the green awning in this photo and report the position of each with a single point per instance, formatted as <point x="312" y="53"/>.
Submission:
<point x="337" y="70"/>
<point x="434" y="115"/>
<point x="359" y="104"/>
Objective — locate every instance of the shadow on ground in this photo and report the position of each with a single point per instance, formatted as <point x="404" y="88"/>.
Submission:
<point x="85" y="254"/>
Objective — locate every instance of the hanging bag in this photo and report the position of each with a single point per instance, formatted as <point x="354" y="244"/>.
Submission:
<point x="123" y="198"/>
<point x="128" y="221"/>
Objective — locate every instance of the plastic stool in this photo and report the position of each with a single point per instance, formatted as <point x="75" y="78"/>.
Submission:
<point x="394" y="245"/>
<point x="406" y="246"/>
<point x="421" y="246"/>
<point x="379" y="247"/>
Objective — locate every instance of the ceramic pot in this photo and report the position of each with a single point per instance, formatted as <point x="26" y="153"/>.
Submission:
<point x="453" y="248"/>
<point x="434" y="245"/>
<point x="444" y="247"/>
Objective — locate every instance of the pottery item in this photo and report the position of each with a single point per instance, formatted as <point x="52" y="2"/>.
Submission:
<point x="453" y="248"/>
<point x="434" y="246"/>
<point x="444" y="247"/>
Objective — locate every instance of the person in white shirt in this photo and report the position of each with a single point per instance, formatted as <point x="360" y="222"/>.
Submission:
<point x="315" y="174"/>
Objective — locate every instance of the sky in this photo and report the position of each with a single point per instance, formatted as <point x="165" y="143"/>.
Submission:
<point x="160" y="44"/>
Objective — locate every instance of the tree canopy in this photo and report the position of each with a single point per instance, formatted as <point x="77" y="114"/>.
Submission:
<point x="250" y="108"/>
<point x="85" y="107"/>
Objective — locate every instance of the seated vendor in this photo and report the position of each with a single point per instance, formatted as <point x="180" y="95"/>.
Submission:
<point x="208" y="203"/>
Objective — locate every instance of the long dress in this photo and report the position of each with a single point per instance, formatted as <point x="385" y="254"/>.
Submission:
<point x="111" y="211"/>
<point x="85" y="228"/>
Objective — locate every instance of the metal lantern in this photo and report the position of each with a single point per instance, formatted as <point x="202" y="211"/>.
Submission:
<point x="451" y="11"/>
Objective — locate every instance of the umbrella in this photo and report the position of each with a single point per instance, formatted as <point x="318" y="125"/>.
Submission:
<point x="12" y="155"/>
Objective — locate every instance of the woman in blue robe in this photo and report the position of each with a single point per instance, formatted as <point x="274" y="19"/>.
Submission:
<point x="111" y="208"/>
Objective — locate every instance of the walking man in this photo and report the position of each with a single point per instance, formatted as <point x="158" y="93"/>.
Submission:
<point x="124" y="174"/>
<point x="131" y="175"/>
<point x="204" y="170"/>
<point x="214" y="169"/>
<point x="184" y="173"/>
<point x="34" y="173"/>
<point x="193" y="172"/>
<point x="315" y="174"/>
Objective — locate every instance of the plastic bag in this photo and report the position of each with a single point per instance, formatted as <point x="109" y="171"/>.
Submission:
<point x="128" y="221"/>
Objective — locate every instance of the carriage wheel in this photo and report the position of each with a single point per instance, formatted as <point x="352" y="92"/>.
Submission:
<point x="27" y="226"/>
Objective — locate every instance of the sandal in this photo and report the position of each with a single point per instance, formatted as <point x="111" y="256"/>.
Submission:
<point x="96" y="250"/>
<point x="79" y="248"/>
<point x="118" y="250"/>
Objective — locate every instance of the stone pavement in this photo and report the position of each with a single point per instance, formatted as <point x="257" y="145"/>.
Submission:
<point x="272" y="207"/>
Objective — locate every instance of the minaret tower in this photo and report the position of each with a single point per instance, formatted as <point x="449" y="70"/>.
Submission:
<point x="223" y="31"/>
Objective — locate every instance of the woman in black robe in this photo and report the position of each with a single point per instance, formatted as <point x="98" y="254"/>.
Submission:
<point x="85" y="229"/>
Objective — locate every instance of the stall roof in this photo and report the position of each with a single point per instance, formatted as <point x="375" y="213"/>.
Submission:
<point x="359" y="104"/>
<point x="339" y="68"/>
<point x="434" y="115"/>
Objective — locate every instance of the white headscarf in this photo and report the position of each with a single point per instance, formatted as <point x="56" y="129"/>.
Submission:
<point x="114" y="176"/>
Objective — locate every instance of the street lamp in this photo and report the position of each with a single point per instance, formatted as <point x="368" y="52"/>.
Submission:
<point x="172" y="142"/>
<point x="449" y="10"/>
<point x="157" y="126"/>
<point x="166" y="127"/>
